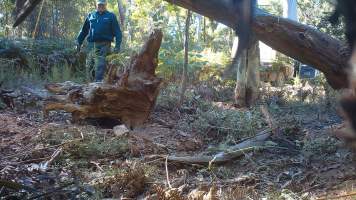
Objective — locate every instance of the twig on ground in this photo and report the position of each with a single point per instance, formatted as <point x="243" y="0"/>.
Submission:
<point x="54" y="156"/>
<point x="97" y="165"/>
<point x="167" y="173"/>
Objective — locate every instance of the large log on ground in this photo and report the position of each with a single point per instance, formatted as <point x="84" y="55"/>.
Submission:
<point x="129" y="99"/>
<point x="301" y="42"/>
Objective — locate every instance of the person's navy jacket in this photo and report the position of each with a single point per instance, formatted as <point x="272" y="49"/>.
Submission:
<point x="101" y="28"/>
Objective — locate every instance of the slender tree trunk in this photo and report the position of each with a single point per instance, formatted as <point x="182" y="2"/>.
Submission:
<point x="7" y="22"/>
<point x="198" y="28"/>
<point x="186" y="51"/>
<point x="290" y="11"/>
<point x="53" y="19"/>
<point x="179" y="32"/>
<point x="204" y="29"/>
<point x="121" y="13"/>
<point x="122" y="17"/>
<point x="128" y="22"/>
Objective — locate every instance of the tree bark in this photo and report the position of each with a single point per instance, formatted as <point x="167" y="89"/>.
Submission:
<point x="129" y="99"/>
<point x="247" y="79"/>
<point x="121" y="13"/>
<point x="301" y="42"/>
<point x="186" y="58"/>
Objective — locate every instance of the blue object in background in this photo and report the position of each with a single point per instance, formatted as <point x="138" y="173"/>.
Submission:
<point x="307" y="71"/>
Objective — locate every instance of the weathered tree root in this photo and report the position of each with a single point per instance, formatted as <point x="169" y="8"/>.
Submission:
<point x="130" y="99"/>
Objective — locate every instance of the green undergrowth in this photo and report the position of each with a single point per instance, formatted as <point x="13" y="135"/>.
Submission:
<point x="98" y="147"/>
<point x="198" y="115"/>
<point x="40" y="61"/>
<point x="86" y="142"/>
<point x="320" y="147"/>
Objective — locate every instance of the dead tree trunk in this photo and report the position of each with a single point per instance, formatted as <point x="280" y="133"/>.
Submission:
<point x="130" y="99"/>
<point x="294" y="39"/>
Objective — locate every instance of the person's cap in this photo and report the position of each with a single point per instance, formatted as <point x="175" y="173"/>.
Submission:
<point x="100" y="2"/>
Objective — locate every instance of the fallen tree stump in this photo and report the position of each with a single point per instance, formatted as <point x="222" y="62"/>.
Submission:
<point x="129" y="99"/>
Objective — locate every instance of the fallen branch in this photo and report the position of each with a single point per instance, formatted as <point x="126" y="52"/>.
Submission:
<point x="45" y="165"/>
<point x="223" y="157"/>
<point x="97" y="165"/>
<point x="167" y="173"/>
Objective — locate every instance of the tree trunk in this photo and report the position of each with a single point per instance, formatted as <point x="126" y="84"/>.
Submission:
<point x="247" y="79"/>
<point x="121" y="13"/>
<point x="179" y="30"/>
<point x="186" y="51"/>
<point x="204" y="30"/>
<point x="198" y="28"/>
<point x="296" y="40"/>
<point x="130" y="99"/>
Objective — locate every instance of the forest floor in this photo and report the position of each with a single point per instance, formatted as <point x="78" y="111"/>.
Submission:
<point x="52" y="157"/>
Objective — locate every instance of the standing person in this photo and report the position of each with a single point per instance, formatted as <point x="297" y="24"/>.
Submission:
<point x="101" y="26"/>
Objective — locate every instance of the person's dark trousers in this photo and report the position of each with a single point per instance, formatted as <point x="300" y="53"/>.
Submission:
<point x="97" y="53"/>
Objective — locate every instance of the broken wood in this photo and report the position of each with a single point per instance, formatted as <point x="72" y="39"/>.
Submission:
<point x="130" y="99"/>
<point x="299" y="41"/>
<point x="225" y="156"/>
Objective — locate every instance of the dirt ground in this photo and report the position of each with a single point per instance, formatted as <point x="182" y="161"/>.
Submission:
<point x="43" y="158"/>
